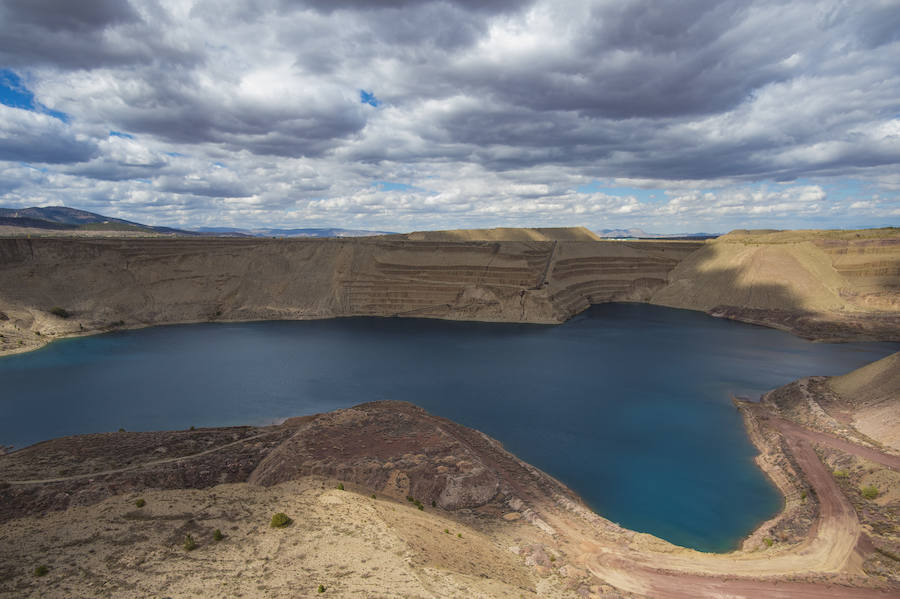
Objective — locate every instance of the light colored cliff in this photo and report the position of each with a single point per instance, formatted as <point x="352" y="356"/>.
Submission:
<point x="813" y="281"/>
<point x="871" y="394"/>
<point x="823" y="285"/>
<point x="104" y="283"/>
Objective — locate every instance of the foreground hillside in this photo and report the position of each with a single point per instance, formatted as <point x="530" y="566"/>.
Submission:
<point x="822" y="285"/>
<point x="389" y="501"/>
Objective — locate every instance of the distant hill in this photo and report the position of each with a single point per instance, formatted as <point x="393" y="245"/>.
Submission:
<point x="641" y="234"/>
<point x="264" y="232"/>
<point x="61" y="218"/>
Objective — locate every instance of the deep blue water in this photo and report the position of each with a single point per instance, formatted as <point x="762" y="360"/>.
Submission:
<point x="627" y="404"/>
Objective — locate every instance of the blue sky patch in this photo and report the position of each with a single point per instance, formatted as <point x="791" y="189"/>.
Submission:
<point x="393" y="186"/>
<point x="368" y="98"/>
<point x="14" y="93"/>
<point x="642" y="195"/>
<point x="120" y="134"/>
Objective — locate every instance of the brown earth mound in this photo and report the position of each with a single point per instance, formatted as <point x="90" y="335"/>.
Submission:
<point x="395" y="448"/>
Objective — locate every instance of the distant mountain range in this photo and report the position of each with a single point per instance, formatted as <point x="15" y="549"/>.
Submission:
<point x="61" y="218"/>
<point x="641" y="234"/>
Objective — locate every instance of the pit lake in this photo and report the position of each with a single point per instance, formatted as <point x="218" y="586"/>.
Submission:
<point x="627" y="404"/>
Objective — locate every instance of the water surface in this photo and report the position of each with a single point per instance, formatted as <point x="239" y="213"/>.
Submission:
<point x="627" y="404"/>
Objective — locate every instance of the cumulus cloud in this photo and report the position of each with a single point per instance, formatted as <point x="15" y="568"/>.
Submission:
<point x="483" y="113"/>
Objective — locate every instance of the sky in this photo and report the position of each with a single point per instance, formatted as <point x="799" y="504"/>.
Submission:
<point x="406" y="115"/>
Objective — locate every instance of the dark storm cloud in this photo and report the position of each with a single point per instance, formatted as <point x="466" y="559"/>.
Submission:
<point x="27" y="136"/>
<point x="644" y="59"/>
<point x="482" y="6"/>
<point x="94" y="33"/>
<point x="63" y="15"/>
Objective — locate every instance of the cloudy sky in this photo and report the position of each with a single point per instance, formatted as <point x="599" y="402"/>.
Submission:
<point x="414" y="114"/>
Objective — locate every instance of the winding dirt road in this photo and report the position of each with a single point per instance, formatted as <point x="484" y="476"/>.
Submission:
<point x="679" y="573"/>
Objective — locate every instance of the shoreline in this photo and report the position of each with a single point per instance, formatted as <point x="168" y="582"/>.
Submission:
<point x="583" y="540"/>
<point x="46" y="339"/>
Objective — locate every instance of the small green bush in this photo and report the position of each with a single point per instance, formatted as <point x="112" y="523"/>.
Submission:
<point x="61" y="312"/>
<point x="280" y="520"/>
<point x="41" y="570"/>
<point x="841" y="474"/>
<point x="189" y="543"/>
<point x="321" y="588"/>
<point x="373" y="496"/>
<point x="140" y="502"/>
<point x="869" y="491"/>
<point x="446" y="531"/>
<point x="409" y="498"/>
<point x="769" y="542"/>
<point x="459" y="534"/>
<point x="433" y="503"/>
<point x="340" y="486"/>
<point x="217" y="535"/>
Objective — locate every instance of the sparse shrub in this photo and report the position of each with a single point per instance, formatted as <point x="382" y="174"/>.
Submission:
<point x="41" y="570"/>
<point x="421" y="507"/>
<point x="409" y="498"/>
<point x="803" y="495"/>
<point x="321" y="588"/>
<point x="841" y="474"/>
<point x="769" y="542"/>
<point x="193" y="428"/>
<point x="869" y="491"/>
<point x="433" y="503"/>
<point x="140" y="502"/>
<point x="373" y="496"/>
<point x="280" y="520"/>
<point x="61" y="312"/>
<point x="121" y="430"/>
<point x="552" y="558"/>
<point x="459" y="535"/>
<point x="888" y="553"/>
<point x="189" y="543"/>
<point x="340" y="486"/>
<point x="217" y="535"/>
<point x="446" y="531"/>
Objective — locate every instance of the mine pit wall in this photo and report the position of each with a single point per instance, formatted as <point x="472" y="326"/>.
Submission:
<point x="106" y="283"/>
<point x="827" y="289"/>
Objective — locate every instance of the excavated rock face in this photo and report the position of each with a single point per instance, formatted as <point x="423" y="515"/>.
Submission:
<point x="394" y="447"/>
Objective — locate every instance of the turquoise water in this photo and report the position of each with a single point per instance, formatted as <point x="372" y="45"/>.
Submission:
<point x="627" y="404"/>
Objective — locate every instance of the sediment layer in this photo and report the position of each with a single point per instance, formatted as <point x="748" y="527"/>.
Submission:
<point x="836" y="287"/>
